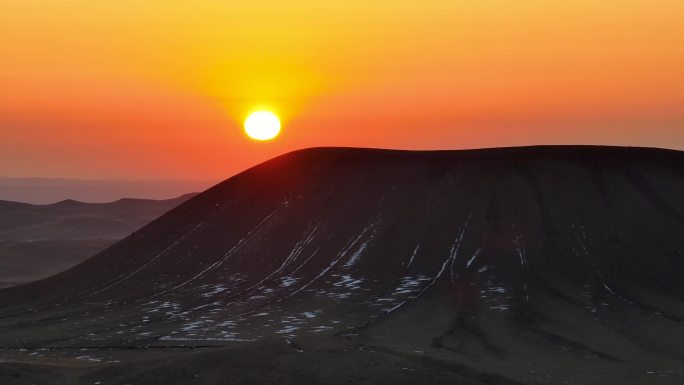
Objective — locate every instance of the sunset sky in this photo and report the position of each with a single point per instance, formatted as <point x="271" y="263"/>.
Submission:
<point x="159" y="89"/>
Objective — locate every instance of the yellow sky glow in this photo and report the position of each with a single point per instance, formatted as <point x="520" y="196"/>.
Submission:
<point x="120" y="78"/>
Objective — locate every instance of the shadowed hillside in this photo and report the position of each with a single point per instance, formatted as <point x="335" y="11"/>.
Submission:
<point x="554" y="264"/>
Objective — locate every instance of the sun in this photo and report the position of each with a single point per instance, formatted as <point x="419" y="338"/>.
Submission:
<point x="262" y="125"/>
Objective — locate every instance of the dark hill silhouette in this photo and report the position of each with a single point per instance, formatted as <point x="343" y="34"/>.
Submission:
<point x="538" y="263"/>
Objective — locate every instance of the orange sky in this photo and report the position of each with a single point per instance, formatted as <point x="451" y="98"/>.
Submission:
<point x="159" y="89"/>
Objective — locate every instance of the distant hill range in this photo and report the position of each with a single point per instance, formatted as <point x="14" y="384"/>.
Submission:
<point x="51" y="190"/>
<point x="40" y="240"/>
<point x="537" y="265"/>
<point x="70" y="219"/>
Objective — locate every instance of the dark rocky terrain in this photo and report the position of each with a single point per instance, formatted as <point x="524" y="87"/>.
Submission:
<point x="37" y="241"/>
<point x="537" y="265"/>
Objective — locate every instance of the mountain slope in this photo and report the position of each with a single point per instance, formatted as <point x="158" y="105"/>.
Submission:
<point x="536" y="263"/>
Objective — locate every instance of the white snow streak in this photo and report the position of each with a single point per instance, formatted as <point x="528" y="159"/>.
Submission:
<point x="520" y="249"/>
<point x="296" y="251"/>
<point x="453" y="252"/>
<point x="455" y="248"/>
<point x="581" y="241"/>
<point x="288" y="281"/>
<point x="472" y="259"/>
<point x="345" y="250"/>
<point x="361" y="248"/>
<point x="413" y="256"/>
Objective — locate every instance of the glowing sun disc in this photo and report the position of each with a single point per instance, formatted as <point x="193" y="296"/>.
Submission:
<point x="262" y="125"/>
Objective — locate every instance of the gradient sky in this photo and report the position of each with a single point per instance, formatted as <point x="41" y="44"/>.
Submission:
<point x="159" y="89"/>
